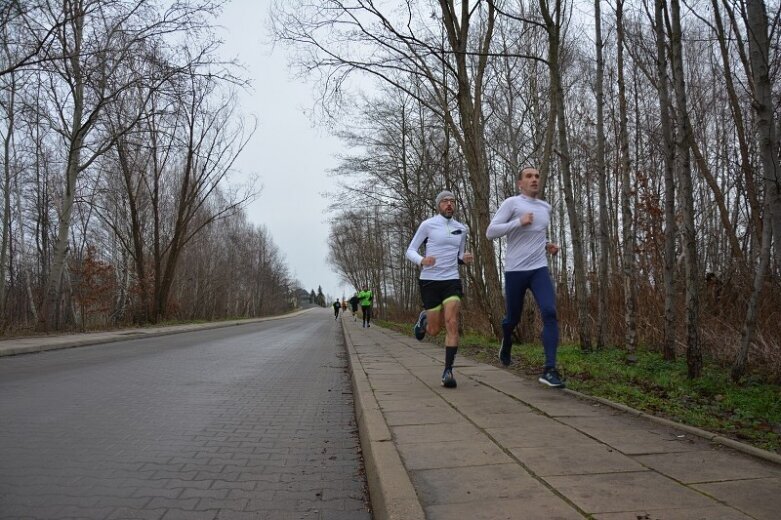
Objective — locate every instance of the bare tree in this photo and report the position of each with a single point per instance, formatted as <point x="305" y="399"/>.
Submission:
<point x="173" y="180"/>
<point x="554" y="19"/>
<point x="759" y="52"/>
<point x="628" y="257"/>
<point x="670" y="228"/>
<point x="97" y="40"/>
<point x="683" y="139"/>
<point x="34" y="34"/>
<point x="767" y="127"/>
<point x="604" y="239"/>
<point x="8" y="105"/>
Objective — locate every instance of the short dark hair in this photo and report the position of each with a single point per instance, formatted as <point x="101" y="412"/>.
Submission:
<point x="520" y="173"/>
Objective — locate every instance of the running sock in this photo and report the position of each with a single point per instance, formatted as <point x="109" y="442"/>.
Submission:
<point x="450" y="356"/>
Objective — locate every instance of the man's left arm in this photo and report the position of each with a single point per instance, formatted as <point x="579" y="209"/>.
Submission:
<point x="464" y="256"/>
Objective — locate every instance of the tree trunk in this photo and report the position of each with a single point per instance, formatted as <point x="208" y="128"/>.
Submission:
<point x="627" y="228"/>
<point x="757" y="22"/>
<point x="603" y="285"/>
<point x="6" y="223"/>
<point x="759" y="54"/>
<point x="740" y="127"/>
<point x="749" y="325"/>
<point x="581" y="292"/>
<point x="670" y="227"/>
<point x="50" y="314"/>
<point x="682" y="140"/>
<point x="472" y="126"/>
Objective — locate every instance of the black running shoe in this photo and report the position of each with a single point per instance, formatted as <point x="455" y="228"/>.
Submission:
<point x="504" y="354"/>
<point x="551" y="378"/>
<point x="448" y="381"/>
<point x="420" y="327"/>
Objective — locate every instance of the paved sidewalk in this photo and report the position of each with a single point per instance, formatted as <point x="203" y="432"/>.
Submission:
<point x="502" y="446"/>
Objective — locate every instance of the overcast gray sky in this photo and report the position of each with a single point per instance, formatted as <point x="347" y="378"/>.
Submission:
<point x="290" y="156"/>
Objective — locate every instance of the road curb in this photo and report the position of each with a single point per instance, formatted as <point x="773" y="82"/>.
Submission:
<point x="390" y="489"/>
<point x="35" y="344"/>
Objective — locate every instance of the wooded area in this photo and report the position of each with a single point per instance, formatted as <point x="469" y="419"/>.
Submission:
<point x="654" y="124"/>
<point x="119" y="131"/>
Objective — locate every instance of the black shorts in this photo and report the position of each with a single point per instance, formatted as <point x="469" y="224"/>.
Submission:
<point x="436" y="292"/>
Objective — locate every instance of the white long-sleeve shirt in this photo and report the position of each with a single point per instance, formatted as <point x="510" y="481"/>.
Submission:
<point x="525" y="244"/>
<point x="445" y="240"/>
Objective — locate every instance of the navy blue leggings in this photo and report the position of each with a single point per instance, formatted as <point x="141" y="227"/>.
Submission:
<point x="539" y="281"/>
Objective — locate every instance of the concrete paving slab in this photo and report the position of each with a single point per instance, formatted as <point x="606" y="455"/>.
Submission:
<point x="759" y="498"/>
<point x="713" y="465"/>
<point x="385" y="368"/>
<point x="481" y="371"/>
<point x="475" y="483"/>
<point x="516" y="388"/>
<point x="405" y="383"/>
<point x="500" y="420"/>
<point x="421" y="433"/>
<point x="420" y="362"/>
<point x="609" y="420"/>
<point x="406" y="405"/>
<point x="701" y="513"/>
<point x="586" y="457"/>
<point x="634" y="435"/>
<point x="536" y="431"/>
<point x="435" y="416"/>
<point x="452" y="454"/>
<point x="505" y="509"/>
<point x="631" y="443"/>
<point x="558" y="405"/>
<point x="487" y="402"/>
<point x="614" y="492"/>
<point x="400" y="395"/>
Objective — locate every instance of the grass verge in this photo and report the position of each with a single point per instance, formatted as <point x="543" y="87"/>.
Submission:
<point x="749" y="412"/>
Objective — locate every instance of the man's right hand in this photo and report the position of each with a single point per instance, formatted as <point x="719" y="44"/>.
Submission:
<point x="428" y="261"/>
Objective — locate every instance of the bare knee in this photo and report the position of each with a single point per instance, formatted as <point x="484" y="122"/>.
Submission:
<point x="451" y="324"/>
<point x="433" y="323"/>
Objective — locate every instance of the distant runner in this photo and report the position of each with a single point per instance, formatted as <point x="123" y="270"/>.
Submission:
<point x="366" y="298"/>
<point x="354" y="301"/>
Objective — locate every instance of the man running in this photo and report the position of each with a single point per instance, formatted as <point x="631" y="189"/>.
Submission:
<point x="336" y="305"/>
<point x="524" y="219"/>
<point x="440" y="285"/>
<point x="366" y="299"/>
<point x="354" y="306"/>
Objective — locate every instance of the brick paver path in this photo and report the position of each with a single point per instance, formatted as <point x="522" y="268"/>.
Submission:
<point x="250" y="422"/>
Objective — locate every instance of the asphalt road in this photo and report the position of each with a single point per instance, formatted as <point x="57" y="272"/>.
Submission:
<point x="247" y="422"/>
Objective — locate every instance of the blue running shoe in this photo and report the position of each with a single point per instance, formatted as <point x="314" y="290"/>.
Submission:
<point x="420" y="327"/>
<point x="448" y="381"/>
<point x="551" y="378"/>
<point x="504" y="353"/>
